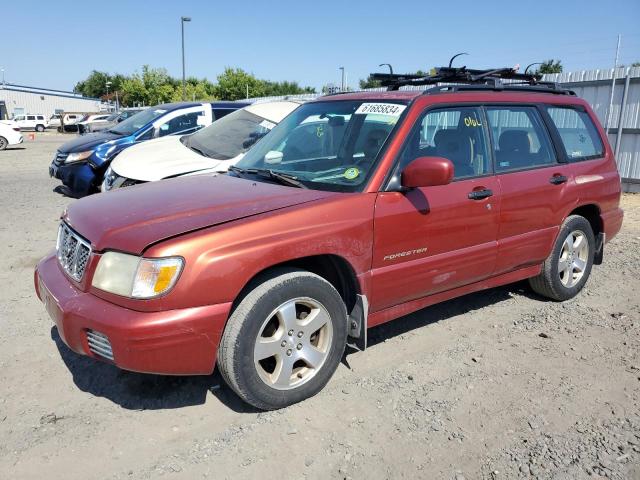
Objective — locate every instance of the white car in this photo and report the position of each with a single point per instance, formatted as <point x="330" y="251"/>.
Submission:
<point x="212" y="149"/>
<point x="95" y="121"/>
<point x="32" y="122"/>
<point x="69" y="119"/>
<point x="9" y="134"/>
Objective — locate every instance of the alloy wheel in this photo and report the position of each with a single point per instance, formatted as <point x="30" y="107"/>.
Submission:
<point x="293" y="343"/>
<point x="574" y="256"/>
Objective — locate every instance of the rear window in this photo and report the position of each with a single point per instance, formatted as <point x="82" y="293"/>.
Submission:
<point x="579" y="135"/>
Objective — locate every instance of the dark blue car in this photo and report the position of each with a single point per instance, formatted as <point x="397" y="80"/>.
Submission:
<point x="81" y="162"/>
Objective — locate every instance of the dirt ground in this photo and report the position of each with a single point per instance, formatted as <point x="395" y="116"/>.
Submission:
<point x="499" y="384"/>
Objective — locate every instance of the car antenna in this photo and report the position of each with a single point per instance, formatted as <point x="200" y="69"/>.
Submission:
<point x="456" y="56"/>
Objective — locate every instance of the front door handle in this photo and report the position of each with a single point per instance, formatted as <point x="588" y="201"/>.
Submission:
<point x="558" y="179"/>
<point x="480" y="194"/>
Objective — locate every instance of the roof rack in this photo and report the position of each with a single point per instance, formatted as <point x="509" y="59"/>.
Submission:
<point x="463" y="78"/>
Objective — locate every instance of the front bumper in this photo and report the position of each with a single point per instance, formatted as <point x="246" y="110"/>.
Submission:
<point x="173" y="342"/>
<point x="80" y="178"/>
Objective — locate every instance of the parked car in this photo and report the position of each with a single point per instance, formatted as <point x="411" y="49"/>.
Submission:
<point x="105" y="122"/>
<point x="81" y="162"/>
<point x="69" y="119"/>
<point x="54" y="120"/>
<point x="84" y="126"/>
<point x="355" y="210"/>
<point x="9" y="134"/>
<point x="86" y="118"/>
<point x="211" y="149"/>
<point x="32" y="122"/>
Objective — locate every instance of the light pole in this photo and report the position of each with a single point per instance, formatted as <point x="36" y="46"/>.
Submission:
<point x="184" y="85"/>
<point x="2" y="76"/>
<point x="342" y="83"/>
<point x="108" y="84"/>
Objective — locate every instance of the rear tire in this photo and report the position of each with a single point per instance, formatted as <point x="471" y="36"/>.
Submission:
<point x="568" y="267"/>
<point x="3" y="143"/>
<point x="284" y="340"/>
<point x="40" y="128"/>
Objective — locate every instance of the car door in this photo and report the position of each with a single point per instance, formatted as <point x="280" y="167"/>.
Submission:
<point x="31" y="121"/>
<point x="183" y="121"/>
<point x="532" y="182"/>
<point x="432" y="239"/>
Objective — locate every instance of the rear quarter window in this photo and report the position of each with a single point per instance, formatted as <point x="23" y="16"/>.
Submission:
<point x="579" y="135"/>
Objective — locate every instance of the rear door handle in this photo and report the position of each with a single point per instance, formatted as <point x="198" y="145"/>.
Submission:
<point x="480" y="194"/>
<point x="558" y="179"/>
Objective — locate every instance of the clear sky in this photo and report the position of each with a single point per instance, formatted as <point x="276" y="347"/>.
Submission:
<point x="55" y="44"/>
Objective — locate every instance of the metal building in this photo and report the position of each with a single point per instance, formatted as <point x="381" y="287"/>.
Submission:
<point x="20" y="99"/>
<point x="622" y="121"/>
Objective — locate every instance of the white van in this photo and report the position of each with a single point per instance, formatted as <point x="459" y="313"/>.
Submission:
<point x="32" y="122"/>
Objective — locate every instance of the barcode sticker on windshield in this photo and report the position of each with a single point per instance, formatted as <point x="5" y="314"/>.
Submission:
<point x="267" y="124"/>
<point x="391" y="109"/>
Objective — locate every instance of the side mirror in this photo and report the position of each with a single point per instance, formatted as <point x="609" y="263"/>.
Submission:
<point x="273" y="157"/>
<point x="427" y="172"/>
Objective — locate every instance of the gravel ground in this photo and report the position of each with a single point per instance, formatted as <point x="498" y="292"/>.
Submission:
<point x="499" y="384"/>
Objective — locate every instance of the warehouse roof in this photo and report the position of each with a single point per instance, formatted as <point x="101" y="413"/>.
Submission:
<point x="44" y="91"/>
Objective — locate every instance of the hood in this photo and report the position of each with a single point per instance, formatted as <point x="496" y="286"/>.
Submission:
<point x="161" y="158"/>
<point x="88" y="142"/>
<point x="130" y="219"/>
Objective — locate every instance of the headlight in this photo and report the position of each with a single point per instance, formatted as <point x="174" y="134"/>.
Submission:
<point x="112" y="180"/>
<point x="136" y="277"/>
<point x="78" y="157"/>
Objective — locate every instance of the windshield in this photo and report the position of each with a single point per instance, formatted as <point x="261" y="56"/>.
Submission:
<point x="230" y="136"/>
<point x="135" y="122"/>
<point x="328" y="145"/>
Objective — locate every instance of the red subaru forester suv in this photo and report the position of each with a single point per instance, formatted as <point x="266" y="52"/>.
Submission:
<point x="357" y="209"/>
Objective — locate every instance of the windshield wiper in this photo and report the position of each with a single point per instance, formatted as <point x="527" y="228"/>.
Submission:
<point x="283" y="178"/>
<point x="197" y="150"/>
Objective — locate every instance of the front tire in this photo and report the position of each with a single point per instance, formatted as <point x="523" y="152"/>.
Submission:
<point x="284" y="340"/>
<point x="3" y="143"/>
<point x="568" y="267"/>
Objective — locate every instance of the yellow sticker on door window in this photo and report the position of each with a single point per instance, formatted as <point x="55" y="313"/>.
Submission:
<point x="351" y="173"/>
<point x="472" y="122"/>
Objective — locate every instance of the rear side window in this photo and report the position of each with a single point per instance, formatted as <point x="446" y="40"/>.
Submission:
<point x="579" y="135"/>
<point x="520" y="139"/>
<point x="31" y="117"/>
<point x="218" y="113"/>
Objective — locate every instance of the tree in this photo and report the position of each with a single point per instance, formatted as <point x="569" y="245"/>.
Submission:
<point x="550" y="66"/>
<point x="369" y="82"/>
<point x="155" y="85"/>
<point x="285" y="88"/>
<point x="95" y="85"/>
<point x="635" y="64"/>
<point x="233" y="83"/>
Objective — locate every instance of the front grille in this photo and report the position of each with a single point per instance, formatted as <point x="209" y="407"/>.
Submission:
<point x="73" y="252"/>
<point x="99" y="344"/>
<point x="59" y="158"/>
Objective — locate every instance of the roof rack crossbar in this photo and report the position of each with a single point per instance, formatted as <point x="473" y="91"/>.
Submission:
<point x="488" y="78"/>
<point x="503" y="87"/>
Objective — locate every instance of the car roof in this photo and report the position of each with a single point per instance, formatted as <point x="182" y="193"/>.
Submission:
<point x="406" y="95"/>
<point x="479" y="95"/>
<point x="176" y="105"/>
<point x="229" y="104"/>
<point x="273" y="111"/>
